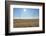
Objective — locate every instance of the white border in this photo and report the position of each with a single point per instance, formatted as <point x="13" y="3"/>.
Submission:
<point x="28" y="0"/>
<point x="27" y="28"/>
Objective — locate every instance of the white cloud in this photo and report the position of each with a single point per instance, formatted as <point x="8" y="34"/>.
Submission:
<point x="25" y="17"/>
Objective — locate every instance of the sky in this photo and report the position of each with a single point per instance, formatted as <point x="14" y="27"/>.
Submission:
<point x="25" y="12"/>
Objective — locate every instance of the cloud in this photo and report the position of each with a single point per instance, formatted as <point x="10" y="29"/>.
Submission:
<point x="25" y="17"/>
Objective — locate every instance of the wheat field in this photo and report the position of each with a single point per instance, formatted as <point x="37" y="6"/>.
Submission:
<point x="26" y="23"/>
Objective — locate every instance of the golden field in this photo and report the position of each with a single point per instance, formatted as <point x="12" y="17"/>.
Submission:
<point x="26" y="23"/>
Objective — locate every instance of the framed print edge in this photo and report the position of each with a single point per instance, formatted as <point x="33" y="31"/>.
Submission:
<point x="29" y="28"/>
<point x="7" y="18"/>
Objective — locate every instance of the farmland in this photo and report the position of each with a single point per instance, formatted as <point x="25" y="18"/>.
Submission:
<point x="26" y="23"/>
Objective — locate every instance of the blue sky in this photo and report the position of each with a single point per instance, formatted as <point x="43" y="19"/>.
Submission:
<point x="25" y="12"/>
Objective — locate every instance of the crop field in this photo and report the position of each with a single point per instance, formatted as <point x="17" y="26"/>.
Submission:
<point x="25" y="23"/>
